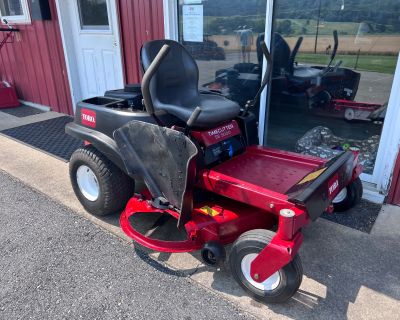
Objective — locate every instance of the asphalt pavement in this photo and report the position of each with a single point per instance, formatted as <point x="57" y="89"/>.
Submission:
<point x="54" y="264"/>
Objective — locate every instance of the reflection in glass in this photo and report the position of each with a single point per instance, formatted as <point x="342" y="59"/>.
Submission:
<point x="11" y="8"/>
<point x="223" y="36"/>
<point x="93" y="14"/>
<point x="332" y="75"/>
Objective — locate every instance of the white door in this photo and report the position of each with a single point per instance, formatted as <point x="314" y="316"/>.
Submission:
<point x="96" y="47"/>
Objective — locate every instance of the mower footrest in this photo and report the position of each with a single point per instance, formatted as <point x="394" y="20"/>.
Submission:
<point x="141" y="206"/>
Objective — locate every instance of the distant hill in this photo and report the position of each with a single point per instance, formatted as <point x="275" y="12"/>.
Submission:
<point x="385" y="12"/>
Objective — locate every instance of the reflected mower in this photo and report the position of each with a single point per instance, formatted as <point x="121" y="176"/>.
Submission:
<point x="198" y="155"/>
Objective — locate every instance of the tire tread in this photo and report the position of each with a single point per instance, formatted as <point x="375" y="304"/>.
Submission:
<point x="116" y="185"/>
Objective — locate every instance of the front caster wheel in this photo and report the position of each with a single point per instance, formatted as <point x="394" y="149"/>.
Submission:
<point x="213" y="254"/>
<point x="279" y="287"/>
<point x="348" y="197"/>
<point x="101" y="187"/>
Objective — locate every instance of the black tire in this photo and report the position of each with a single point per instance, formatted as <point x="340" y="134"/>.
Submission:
<point x="115" y="187"/>
<point x="213" y="254"/>
<point x="291" y="275"/>
<point x="354" y="193"/>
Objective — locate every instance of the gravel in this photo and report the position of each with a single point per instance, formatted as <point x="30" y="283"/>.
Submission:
<point x="55" y="264"/>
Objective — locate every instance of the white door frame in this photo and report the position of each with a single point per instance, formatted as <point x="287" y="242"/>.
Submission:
<point x="69" y="47"/>
<point x="390" y="139"/>
<point x="377" y="184"/>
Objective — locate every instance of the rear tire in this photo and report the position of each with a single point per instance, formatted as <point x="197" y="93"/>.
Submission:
<point x="101" y="187"/>
<point x="348" y="197"/>
<point x="278" y="288"/>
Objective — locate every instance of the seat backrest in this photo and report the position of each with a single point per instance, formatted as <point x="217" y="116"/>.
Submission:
<point x="281" y="53"/>
<point x="176" y="80"/>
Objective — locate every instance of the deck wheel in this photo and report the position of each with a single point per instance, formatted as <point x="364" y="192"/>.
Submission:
<point x="279" y="287"/>
<point x="349" y="114"/>
<point x="348" y="197"/>
<point x="213" y="253"/>
<point x="101" y="187"/>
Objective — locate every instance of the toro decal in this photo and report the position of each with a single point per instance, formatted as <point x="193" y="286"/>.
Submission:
<point x="333" y="186"/>
<point x="88" y="118"/>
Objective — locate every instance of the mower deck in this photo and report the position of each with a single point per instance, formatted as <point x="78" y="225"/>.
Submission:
<point x="218" y="220"/>
<point x="260" y="176"/>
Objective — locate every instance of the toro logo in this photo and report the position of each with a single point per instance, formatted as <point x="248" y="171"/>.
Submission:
<point x="88" y="118"/>
<point x="333" y="186"/>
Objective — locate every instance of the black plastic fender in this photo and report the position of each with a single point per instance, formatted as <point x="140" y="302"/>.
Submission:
<point x="99" y="140"/>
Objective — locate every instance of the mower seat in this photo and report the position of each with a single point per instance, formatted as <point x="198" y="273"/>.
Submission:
<point x="284" y="61"/>
<point x="305" y="72"/>
<point x="174" y="87"/>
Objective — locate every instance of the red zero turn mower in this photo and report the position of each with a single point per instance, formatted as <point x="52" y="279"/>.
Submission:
<point x="193" y="152"/>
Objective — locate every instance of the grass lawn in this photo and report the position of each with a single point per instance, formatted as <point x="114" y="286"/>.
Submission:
<point x="376" y="63"/>
<point x="309" y="27"/>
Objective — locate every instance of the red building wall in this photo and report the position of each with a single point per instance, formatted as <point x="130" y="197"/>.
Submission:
<point x="394" y="192"/>
<point x="35" y="64"/>
<point x="140" y="21"/>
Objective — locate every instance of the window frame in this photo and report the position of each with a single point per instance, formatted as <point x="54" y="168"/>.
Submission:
<point x="25" y="18"/>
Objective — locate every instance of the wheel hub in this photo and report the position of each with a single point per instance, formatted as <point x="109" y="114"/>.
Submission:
<point x="349" y="114"/>
<point x="340" y="196"/>
<point x="268" y="285"/>
<point x="87" y="183"/>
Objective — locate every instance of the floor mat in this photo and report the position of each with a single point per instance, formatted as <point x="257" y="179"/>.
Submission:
<point x="362" y="217"/>
<point x="22" y="111"/>
<point x="48" y="136"/>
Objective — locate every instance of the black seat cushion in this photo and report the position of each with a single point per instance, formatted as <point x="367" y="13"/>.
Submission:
<point x="174" y="87"/>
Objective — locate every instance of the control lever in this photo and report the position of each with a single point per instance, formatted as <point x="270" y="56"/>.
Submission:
<point x="333" y="55"/>
<point x="192" y="120"/>
<point x="148" y="75"/>
<point x="337" y="65"/>
<point x="267" y="76"/>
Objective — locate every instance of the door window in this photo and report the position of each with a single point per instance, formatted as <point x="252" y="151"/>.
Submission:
<point x="333" y="68"/>
<point x="93" y="14"/>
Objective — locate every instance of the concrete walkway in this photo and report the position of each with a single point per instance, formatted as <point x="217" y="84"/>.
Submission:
<point x="8" y="121"/>
<point x="347" y="273"/>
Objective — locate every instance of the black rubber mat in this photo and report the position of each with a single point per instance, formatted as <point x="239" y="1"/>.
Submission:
<point x="48" y="136"/>
<point x="362" y="217"/>
<point x="22" y="111"/>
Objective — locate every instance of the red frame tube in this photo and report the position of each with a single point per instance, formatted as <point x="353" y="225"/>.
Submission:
<point x="283" y="247"/>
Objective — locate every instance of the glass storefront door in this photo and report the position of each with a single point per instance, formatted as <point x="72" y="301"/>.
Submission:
<point x="333" y="68"/>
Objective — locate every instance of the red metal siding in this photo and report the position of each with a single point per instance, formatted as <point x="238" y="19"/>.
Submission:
<point x="141" y="21"/>
<point x="35" y="64"/>
<point x="394" y="192"/>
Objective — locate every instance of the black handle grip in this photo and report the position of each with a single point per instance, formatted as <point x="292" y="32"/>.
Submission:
<point x="267" y="76"/>
<point x="152" y="69"/>
<point x="193" y="117"/>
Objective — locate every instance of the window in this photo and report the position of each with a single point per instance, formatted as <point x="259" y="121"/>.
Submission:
<point x="15" y="11"/>
<point x="224" y="38"/>
<point x="93" y="14"/>
<point x="333" y="71"/>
